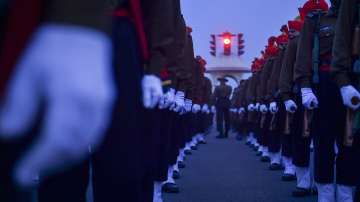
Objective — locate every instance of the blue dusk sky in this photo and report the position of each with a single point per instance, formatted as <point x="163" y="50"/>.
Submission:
<point x="257" y="19"/>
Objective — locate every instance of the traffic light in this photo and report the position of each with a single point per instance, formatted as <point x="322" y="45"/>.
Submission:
<point x="227" y="40"/>
<point x="213" y="45"/>
<point x="241" y="45"/>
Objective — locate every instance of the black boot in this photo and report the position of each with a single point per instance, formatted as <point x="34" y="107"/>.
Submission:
<point x="288" y="178"/>
<point x="181" y="164"/>
<point x="301" y="192"/>
<point x="265" y="159"/>
<point x="275" y="166"/>
<point x="170" y="188"/>
<point x="187" y="152"/>
<point x="357" y="194"/>
<point x="176" y="175"/>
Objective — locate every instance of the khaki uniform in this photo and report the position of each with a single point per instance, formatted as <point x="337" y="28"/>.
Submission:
<point x="329" y="118"/>
<point x="342" y="62"/>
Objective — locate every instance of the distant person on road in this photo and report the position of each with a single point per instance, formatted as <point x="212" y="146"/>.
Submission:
<point x="222" y="96"/>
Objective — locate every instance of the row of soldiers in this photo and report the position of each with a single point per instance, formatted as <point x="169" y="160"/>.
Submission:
<point x="112" y="87"/>
<point x="303" y="95"/>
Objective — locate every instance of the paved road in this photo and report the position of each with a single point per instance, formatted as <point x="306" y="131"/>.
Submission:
<point x="229" y="171"/>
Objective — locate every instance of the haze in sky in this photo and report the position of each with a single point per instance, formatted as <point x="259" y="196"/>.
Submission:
<point x="257" y="19"/>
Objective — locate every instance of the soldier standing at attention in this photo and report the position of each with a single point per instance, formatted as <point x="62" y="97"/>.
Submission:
<point x="346" y="55"/>
<point x="321" y="94"/>
<point x="222" y="96"/>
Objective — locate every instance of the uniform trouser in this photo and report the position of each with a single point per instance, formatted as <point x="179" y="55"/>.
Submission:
<point x="329" y="127"/>
<point x="70" y="185"/>
<point x="263" y="131"/>
<point x="223" y="119"/>
<point x="301" y="145"/>
<point x="177" y="137"/>
<point x="286" y="139"/>
<point x="163" y="147"/>
<point x="276" y="134"/>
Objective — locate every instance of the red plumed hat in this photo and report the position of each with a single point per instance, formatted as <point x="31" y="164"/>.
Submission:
<point x="295" y="25"/>
<point x="271" y="41"/>
<point x="202" y="62"/>
<point x="312" y="5"/>
<point x="189" y="30"/>
<point x="284" y="29"/>
<point x="282" y="39"/>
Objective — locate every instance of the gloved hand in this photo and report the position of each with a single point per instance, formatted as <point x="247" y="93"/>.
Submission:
<point x="350" y="97"/>
<point x="196" y="108"/>
<point x="179" y="103"/>
<point x="188" y="105"/>
<point x="251" y="107"/>
<point x="152" y="91"/>
<point x="205" y="108"/>
<point x="161" y="104"/>
<point x="213" y="109"/>
<point x="169" y="98"/>
<point x="257" y="107"/>
<point x="263" y="109"/>
<point x="290" y="106"/>
<point x="241" y="110"/>
<point x="69" y="67"/>
<point x="273" y="108"/>
<point x="309" y="99"/>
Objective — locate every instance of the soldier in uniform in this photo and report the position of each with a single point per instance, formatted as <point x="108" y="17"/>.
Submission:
<point x="267" y="135"/>
<point x="321" y="96"/>
<point x="293" y="127"/>
<point x="345" y="68"/>
<point x="222" y="95"/>
<point x="81" y="69"/>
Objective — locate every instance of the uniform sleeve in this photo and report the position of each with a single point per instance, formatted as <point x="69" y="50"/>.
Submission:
<point x="191" y="70"/>
<point x="274" y="78"/>
<point x="78" y="12"/>
<point x="286" y="73"/>
<point x="251" y="91"/>
<point x="242" y="98"/>
<point x="264" y="80"/>
<point x="160" y="31"/>
<point x="208" y="91"/>
<point x="303" y="67"/>
<point x="342" y="50"/>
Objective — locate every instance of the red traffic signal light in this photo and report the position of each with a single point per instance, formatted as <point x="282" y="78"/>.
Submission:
<point x="213" y="45"/>
<point x="241" y="45"/>
<point x="227" y="40"/>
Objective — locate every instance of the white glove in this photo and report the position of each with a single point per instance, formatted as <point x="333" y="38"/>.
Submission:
<point x="273" y="108"/>
<point x="213" y="109"/>
<point x="257" y="107"/>
<point x="241" y="110"/>
<point x="196" y="108"/>
<point x="290" y="106"/>
<point x="309" y="100"/>
<point x="205" y="108"/>
<point x="348" y="94"/>
<point x="69" y="67"/>
<point x="251" y="107"/>
<point x="179" y="101"/>
<point x="263" y="109"/>
<point x="152" y="91"/>
<point x="169" y="98"/>
<point x="188" y="105"/>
